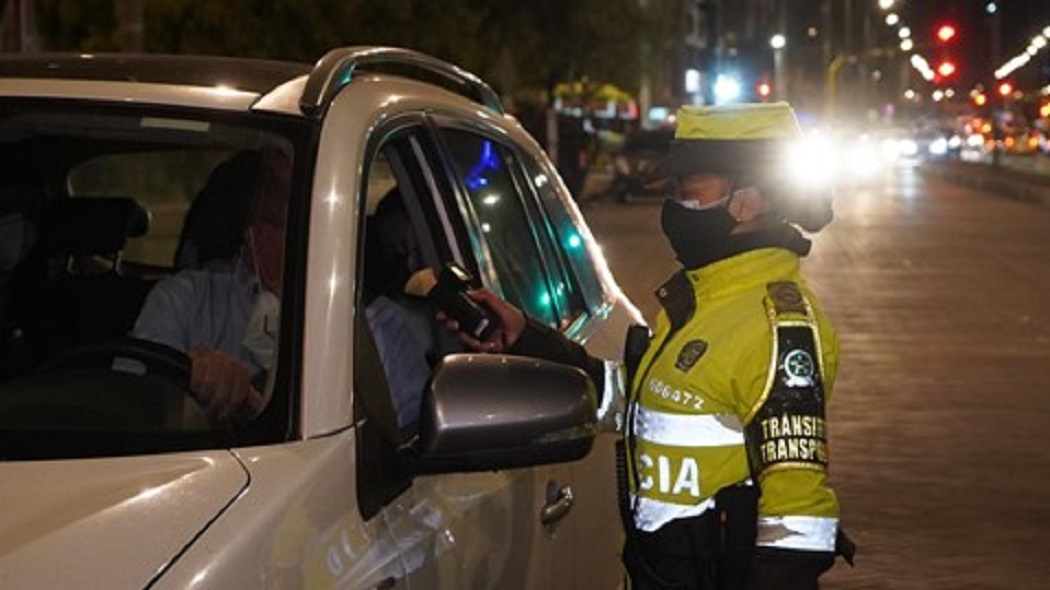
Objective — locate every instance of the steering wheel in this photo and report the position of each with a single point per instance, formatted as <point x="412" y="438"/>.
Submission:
<point x="128" y="355"/>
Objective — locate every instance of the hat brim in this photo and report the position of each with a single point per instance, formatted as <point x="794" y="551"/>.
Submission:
<point x="713" y="156"/>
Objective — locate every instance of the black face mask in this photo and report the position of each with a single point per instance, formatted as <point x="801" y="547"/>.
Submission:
<point x="697" y="236"/>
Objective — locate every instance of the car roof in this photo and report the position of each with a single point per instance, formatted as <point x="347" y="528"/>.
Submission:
<point x="226" y="82"/>
<point x="252" y="75"/>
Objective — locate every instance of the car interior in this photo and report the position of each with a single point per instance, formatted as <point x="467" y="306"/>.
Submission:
<point x="96" y="208"/>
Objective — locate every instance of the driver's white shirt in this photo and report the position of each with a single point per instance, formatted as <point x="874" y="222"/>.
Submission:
<point x="202" y="307"/>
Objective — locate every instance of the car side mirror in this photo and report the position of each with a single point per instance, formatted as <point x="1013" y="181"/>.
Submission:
<point x="487" y="412"/>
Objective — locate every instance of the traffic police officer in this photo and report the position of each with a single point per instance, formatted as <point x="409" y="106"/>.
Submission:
<point x="726" y="451"/>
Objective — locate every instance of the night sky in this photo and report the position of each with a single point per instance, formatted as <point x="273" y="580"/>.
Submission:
<point x="1020" y="21"/>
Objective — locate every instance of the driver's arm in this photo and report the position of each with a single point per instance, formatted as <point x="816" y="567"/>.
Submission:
<point x="163" y="317"/>
<point x="223" y="385"/>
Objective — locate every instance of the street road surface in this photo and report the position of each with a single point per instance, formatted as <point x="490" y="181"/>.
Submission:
<point x="939" y="420"/>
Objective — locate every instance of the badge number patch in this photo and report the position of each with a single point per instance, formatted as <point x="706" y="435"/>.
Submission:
<point x="690" y="353"/>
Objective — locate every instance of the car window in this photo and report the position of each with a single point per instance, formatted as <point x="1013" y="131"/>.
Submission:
<point x="145" y="236"/>
<point x="164" y="182"/>
<point x="567" y="235"/>
<point x="397" y="341"/>
<point x="485" y="171"/>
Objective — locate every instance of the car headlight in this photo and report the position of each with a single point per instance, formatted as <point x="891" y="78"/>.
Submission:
<point x="863" y="161"/>
<point x="908" y="147"/>
<point x="811" y="162"/>
<point x="939" y="146"/>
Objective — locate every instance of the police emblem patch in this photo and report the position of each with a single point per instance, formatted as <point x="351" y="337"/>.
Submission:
<point x="799" y="368"/>
<point x="690" y="353"/>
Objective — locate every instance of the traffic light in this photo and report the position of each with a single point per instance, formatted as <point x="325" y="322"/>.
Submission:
<point x="764" y="90"/>
<point x="946" y="36"/>
<point x="946" y="32"/>
<point x="1006" y="89"/>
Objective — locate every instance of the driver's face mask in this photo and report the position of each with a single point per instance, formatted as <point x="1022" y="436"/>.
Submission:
<point x="260" y="338"/>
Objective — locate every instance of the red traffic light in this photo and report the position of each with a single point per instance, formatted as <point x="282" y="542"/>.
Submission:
<point x="945" y="33"/>
<point x="1006" y="89"/>
<point x="946" y="68"/>
<point x="764" y="90"/>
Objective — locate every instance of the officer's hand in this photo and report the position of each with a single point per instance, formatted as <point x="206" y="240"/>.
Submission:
<point x="511" y="319"/>
<point x="222" y="384"/>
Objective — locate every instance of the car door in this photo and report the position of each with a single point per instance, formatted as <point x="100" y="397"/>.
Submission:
<point x="537" y="265"/>
<point x="471" y="530"/>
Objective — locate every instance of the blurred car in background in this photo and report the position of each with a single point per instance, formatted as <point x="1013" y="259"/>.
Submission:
<point x="930" y="143"/>
<point x="1021" y="142"/>
<point x="634" y="162"/>
<point x="843" y="156"/>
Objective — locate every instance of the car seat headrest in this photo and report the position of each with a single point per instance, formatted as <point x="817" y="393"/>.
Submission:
<point x="83" y="226"/>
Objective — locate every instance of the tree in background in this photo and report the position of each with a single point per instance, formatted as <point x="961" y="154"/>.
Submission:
<point x="517" y="46"/>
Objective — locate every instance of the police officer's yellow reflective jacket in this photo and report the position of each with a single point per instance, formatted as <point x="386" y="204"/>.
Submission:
<point x="737" y="393"/>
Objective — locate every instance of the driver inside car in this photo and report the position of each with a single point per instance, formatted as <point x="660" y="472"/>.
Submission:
<point x="224" y="313"/>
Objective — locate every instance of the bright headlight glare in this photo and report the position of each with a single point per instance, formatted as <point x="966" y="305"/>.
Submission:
<point x="863" y="161"/>
<point x="889" y="149"/>
<point x="809" y="162"/>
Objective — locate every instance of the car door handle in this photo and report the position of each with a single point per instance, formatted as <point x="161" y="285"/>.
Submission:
<point x="559" y="503"/>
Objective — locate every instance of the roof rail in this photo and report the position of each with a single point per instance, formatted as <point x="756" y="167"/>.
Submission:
<point x="336" y="68"/>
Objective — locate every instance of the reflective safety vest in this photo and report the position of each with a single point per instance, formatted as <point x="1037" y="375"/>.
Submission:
<point x="736" y="393"/>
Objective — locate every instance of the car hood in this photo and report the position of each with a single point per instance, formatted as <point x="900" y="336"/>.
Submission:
<point x="107" y="523"/>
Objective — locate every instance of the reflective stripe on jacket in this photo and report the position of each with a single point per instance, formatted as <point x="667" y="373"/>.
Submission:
<point x="738" y="366"/>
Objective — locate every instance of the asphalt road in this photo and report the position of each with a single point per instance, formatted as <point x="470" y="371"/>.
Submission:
<point x="939" y="420"/>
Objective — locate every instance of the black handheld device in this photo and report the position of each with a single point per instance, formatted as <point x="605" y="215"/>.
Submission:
<point x="450" y="295"/>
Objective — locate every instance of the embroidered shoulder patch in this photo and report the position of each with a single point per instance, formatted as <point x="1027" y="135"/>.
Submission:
<point x="788" y="430"/>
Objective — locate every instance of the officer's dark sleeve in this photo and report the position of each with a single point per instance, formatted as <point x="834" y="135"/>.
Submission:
<point x="541" y="341"/>
<point x="785" y="569"/>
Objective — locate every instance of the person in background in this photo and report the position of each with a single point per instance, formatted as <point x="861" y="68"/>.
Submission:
<point x="396" y="280"/>
<point x="725" y="442"/>
<point x="573" y="154"/>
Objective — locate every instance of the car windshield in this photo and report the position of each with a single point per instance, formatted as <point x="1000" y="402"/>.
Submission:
<point x="131" y="235"/>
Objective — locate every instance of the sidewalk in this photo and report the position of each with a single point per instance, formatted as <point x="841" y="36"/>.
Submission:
<point x="1013" y="177"/>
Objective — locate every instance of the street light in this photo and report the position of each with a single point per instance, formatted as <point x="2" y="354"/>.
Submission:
<point x="778" y="42"/>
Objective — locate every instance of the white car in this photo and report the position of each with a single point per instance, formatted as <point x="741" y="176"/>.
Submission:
<point x="111" y="476"/>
